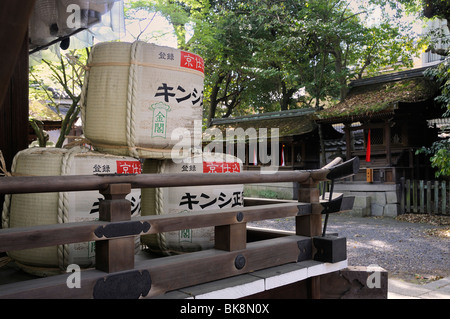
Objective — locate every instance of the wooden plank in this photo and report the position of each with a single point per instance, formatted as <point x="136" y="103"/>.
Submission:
<point x="167" y="273"/>
<point x="47" y="235"/>
<point x="257" y="233"/>
<point x="14" y="105"/>
<point x="444" y="197"/>
<point x="422" y="196"/>
<point x="254" y="201"/>
<point x="402" y="195"/>
<point x="219" y="217"/>
<point x="448" y="198"/>
<point x="436" y="197"/>
<point x="415" y="198"/>
<point x="14" y="17"/>
<point x="314" y="287"/>
<point x="407" y="191"/>
<point x="202" y="267"/>
<point x="70" y="183"/>
<point x="428" y="201"/>
<point x="58" y="234"/>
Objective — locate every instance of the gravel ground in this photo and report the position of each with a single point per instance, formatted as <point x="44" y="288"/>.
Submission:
<point x="404" y="249"/>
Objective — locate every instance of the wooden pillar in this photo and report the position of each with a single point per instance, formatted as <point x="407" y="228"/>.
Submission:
<point x="14" y="105"/>
<point x="348" y="141"/>
<point x="387" y="138"/>
<point x="14" y="109"/>
<point x="310" y="225"/>
<point x="115" y="254"/>
<point x="14" y="17"/>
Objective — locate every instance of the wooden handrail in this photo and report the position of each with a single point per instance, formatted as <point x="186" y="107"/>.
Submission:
<point x="116" y="229"/>
<point x="58" y="234"/>
<point x="44" y="184"/>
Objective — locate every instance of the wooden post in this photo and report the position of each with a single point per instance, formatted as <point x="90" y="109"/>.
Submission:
<point x="115" y="254"/>
<point x="414" y="196"/>
<point x="348" y="141"/>
<point x="428" y="197"/>
<point x="14" y="82"/>
<point x="310" y="225"/>
<point x="387" y="137"/>
<point x="407" y="191"/>
<point x="444" y="197"/>
<point x="422" y="196"/>
<point x="436" y="197"/>
<point x="14" y="17"/>
<point x="231" y="237"/>
<point x="401" y="195"/>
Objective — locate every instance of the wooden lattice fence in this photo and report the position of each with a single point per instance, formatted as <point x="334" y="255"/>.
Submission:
<point x="430" y="197"/>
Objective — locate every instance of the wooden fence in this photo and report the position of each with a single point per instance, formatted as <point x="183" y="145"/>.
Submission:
<point x="118" y="275"/>
<point x="430" y="197"/>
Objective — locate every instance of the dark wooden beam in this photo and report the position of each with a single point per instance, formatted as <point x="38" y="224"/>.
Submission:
<point x="163" y="274"/>
<point x="58" y="234"/>
<point x="44" y="184"/>
<point x="14" y="17"/>
<point x="14" y="108"/>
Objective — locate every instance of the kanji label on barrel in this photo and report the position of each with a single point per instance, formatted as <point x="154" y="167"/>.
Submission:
<point x="160" y="112"/>
<point x="192" y="201"/>
<point x="172" y="93"/>
<point x="128" y="167"/>
<point x="192" y="61"/>
<point x="221" y="167"/>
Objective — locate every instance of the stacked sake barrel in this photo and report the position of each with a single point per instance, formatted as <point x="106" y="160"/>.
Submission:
<point x="138" y="98"/>
<point x="137" y="95"/>
<point x="23" y="210"/>
<point x="166" y="201"/>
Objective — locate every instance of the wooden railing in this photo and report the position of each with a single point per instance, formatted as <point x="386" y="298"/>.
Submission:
<point x="117" y="275"/>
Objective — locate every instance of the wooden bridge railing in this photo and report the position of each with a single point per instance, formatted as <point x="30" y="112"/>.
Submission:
<point x="117" y="275"/>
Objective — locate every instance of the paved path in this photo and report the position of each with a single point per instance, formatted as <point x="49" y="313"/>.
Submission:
<point x="399" y="289"/>
<point x="413" y="259"/>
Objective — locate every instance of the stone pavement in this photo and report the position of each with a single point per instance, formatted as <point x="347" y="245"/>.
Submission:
<point x="399" y="289"/>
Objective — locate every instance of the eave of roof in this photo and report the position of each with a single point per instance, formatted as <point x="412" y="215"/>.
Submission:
<point x="288" y="123"/>
<point x="380" y="96"/>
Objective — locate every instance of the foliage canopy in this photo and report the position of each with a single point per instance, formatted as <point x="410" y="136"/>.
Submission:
<point x="263" y="56"/>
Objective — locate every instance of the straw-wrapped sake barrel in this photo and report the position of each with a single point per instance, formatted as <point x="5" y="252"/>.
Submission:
<point x="22" y="210"/>
<point x="135" y="96"/>
<point x="174" y="200"/>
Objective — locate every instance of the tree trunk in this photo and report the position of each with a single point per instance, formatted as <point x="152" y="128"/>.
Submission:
<point x="287" y="96"/>
<point x="323" y="160"/>
<point x="214" y="100"/>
